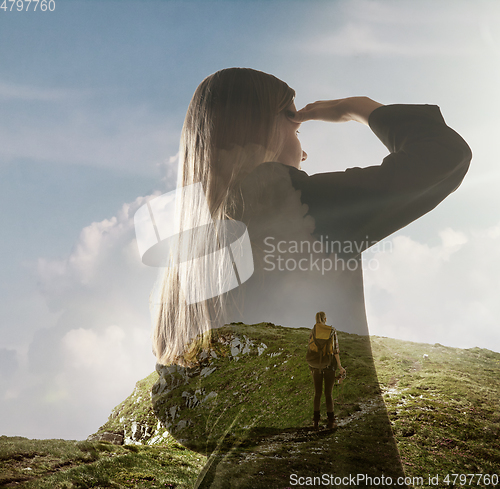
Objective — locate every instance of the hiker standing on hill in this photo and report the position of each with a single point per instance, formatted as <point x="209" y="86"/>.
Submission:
<point x="323" y="357"/>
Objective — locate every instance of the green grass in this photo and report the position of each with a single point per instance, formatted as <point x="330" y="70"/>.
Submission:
<point x="442" y="413"/>
<point x="63" y="464"/>
<point x="444" y="410"/>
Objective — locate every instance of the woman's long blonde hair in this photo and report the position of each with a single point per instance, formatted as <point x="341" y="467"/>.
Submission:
<point x="232" y="125"/>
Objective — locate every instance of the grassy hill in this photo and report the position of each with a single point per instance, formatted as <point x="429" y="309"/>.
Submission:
<point x="443" y="410"/>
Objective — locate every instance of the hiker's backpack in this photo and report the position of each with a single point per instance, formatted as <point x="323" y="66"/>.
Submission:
<point x="321" y="347"/>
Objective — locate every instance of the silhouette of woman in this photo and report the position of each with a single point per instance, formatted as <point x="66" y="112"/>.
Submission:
<point x="240" y="141"/>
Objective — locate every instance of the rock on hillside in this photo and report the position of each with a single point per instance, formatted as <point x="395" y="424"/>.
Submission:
<point x="133" y="421"/>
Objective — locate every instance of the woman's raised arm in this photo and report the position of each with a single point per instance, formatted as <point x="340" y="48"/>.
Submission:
<point x="427" y="162"/>
<point x="341" y="110"/>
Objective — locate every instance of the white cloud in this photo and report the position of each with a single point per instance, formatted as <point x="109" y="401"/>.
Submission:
<point x="88" y="349"/>
<point x="88" y="361"/>
<point x="105" y="256"/>
<point x="356" y="39"/>
<point x="445" y="293"/>
<point x="423" y="12"/>
<point x="424" y="28"/>
<point x="452" y="241"/>
<point x="168" y="169"/>
<point x="11" y="91"/>
<point x="106" y="360"/>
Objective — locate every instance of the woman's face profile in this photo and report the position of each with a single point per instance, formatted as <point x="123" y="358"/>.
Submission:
<point x="291" y="154"/>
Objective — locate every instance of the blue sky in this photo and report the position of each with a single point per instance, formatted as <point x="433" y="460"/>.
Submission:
<point x="92" y="100"/>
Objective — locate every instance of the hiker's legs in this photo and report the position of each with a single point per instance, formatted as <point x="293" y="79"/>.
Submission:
<point x="329" y="376"/>
<point x="318" y="387"/>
